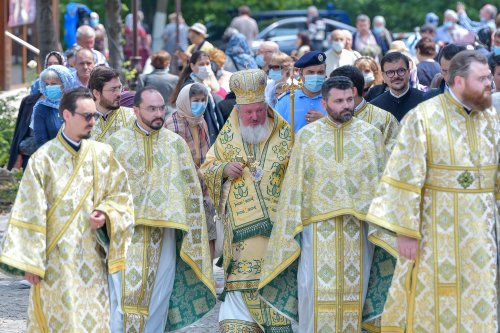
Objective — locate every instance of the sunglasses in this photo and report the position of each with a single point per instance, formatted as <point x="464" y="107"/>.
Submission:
<point x="89" y="115"/>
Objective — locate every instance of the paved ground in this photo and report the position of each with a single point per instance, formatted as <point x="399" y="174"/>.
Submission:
<point x="14" y="302"/>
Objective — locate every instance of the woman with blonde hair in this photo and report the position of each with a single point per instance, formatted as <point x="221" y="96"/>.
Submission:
<point x="218" y="59"/>
<point x="280" y="71"/>
<point x="372" y="75"/>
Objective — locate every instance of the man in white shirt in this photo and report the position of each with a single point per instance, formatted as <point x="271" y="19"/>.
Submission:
<point x="337" y="55"/>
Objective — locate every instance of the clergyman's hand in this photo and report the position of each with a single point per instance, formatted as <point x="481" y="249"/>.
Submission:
<point x="233" y="170"/>
<point x="32" y="278"/>
<point x="97" y="219"/>
<point x="407" y="247"/>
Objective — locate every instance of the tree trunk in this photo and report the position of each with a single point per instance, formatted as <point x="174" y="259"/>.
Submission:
<point x="114" y="30"/>
<point x="160" y="20"/>
<point x="45" y="27"/>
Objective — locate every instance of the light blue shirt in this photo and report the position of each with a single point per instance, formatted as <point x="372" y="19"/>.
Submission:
<point x="303" y="104"/>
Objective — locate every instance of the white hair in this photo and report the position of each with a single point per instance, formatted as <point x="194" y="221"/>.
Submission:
<point x="254" y="134"/>
<point x="85" y="31"/>
<point x="452" y="13"/>
<point x="379" y="19"/>
<point x="312" y="10"/>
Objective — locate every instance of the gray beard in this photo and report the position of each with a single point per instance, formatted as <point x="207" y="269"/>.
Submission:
<point x="255" y="134"/>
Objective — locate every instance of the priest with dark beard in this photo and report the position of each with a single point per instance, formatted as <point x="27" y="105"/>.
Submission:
<point x="243" y="171"/>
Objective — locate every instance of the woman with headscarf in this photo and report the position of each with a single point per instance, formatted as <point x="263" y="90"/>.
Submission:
<point x="189" y="123"/>
<point x="46" y="120"/>
<point x="238" y="54"/>
<point x="200" y="71"/>
<point x="52" y="58"/>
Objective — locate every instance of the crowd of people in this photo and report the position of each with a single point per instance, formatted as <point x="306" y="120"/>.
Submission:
<point x="349" y="186"/>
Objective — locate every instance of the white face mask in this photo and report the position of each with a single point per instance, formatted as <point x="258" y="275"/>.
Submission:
<point x="203" y="72"/>
<point x="369" y="78"/>
<point x="338" y="46"/>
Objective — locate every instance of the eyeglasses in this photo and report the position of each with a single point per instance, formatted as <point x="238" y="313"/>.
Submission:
<point x="486" y="79"/>
<point x="89" y="115"/>
<point x="114" y="90"/>
<point x="153" y="109"/>
<point x="400" y="71"/>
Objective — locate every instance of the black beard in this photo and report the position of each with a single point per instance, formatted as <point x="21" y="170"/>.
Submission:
<point x="343" y="118"/>
<point x="156" y="127"/>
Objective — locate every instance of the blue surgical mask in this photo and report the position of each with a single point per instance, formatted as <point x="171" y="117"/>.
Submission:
<point x="274" y="74"/>
<point x="259" y="59"/>
<point x="53" y="92"/>
<point x="378" y="30"/>
<point x="448" y="24"/>
<point x="197" y="108"/>
<point x="313" y="82"/>
<point x="93" y="22"/>
<point x="483" y="19"/>
<point x="338" y="46"/>
<point x="496" y="50"/>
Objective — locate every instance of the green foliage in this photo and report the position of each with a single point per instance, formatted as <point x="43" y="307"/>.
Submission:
<point x="129" y="73"/>
<point x="400" y="16"/>
<point x="7" y="124"/>
<point x="8" y="190"/>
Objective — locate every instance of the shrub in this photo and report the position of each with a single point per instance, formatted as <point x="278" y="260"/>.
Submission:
<point x="9" y="184"/>
<point x="7" y="124"/>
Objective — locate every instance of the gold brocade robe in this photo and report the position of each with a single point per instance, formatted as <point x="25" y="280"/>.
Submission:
<point x="440" y="187"/>
<point x="384" y="121"/>
<point x="383" y="264"/>
<point x="331" y="179"/>
<point x="167" y="194"/>
<point x="49" y="234"/>
<point x="251" y="206"/>
<point x="115" y="121"/>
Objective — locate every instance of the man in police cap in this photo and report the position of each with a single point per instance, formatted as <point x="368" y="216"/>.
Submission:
<point x="308" y="108"/>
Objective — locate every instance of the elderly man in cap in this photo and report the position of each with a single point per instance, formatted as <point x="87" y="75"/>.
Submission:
<point x="307" y="101"/>
<point x="243" y="171"/>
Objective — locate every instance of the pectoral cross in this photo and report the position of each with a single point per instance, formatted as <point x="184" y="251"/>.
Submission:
<point x="253" y="166"/>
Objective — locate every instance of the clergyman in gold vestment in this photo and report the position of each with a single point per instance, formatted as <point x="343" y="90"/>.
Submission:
<point x="243" y="171"/>
<point x="320" y="238"/>
<point x="437" y="207"/>
<point x="167" y="282"/>
<point x="105" y="85"/>
<point x="70" y="225"/>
